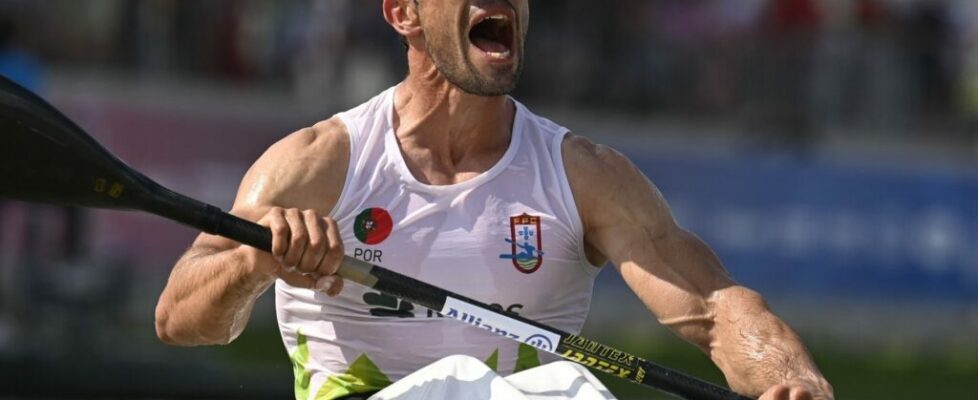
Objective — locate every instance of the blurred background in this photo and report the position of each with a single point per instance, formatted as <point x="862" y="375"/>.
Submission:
<point x="826" y="149"/>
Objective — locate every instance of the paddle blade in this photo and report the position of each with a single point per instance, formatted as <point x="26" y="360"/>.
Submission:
<point x="44" y="157"/>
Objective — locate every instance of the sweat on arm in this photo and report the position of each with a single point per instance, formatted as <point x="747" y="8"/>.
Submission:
<point x="212" y="289"/>
<point x="679" y="278"/>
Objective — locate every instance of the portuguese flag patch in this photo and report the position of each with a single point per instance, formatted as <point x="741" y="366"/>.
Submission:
<point x="373" y="225"/>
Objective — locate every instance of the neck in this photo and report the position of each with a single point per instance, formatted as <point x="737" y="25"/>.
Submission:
<point x="432" y="113"/>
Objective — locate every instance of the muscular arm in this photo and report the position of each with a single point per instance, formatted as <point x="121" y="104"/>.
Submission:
<point x="213" y="287"/>
<point x="678" y="277"/>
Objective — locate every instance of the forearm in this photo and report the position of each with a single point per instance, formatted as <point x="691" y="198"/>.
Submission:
<point x="209" y="297"/>
<point x="755" y="349"/>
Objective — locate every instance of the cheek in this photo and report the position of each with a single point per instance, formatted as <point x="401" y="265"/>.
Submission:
<point x="441" y="33"/>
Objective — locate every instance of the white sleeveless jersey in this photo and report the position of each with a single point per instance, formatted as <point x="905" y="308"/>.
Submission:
<point x="510" y="237"/>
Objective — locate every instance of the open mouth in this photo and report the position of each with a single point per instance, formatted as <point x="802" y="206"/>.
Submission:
<point x="493" y="34"/>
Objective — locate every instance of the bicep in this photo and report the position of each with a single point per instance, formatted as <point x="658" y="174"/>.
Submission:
<point x="305" y="170"/>
<point x="253" y="200"/>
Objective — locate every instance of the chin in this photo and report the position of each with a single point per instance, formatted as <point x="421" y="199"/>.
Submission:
<point x="491" y="87"/>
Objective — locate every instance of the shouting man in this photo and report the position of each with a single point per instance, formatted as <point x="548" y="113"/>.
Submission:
<point x="447" y="179"/>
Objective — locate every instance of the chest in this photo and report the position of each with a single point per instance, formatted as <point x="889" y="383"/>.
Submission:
<point x="478" y="243"/>
<point x="444" y="171"/>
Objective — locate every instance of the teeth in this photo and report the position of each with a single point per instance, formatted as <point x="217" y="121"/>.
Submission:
<point x="499" y="55"/>
<point x="499" y="17"/>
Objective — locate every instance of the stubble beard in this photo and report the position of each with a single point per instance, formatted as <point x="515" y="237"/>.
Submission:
<point x="460" y="72"/>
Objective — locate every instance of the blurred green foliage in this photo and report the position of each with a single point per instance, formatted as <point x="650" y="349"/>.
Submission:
<point x="856" y="373"/>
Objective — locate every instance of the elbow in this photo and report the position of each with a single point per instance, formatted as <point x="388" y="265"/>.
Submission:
<point x="165" y="336"/>
<point x="164" y="327"/>
<point x="174" y="331"/>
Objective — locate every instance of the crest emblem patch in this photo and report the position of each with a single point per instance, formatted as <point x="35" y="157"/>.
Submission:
<point x="526" y="243"/>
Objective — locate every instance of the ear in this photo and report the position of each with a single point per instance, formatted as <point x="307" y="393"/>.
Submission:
<point x="402" y="15"/>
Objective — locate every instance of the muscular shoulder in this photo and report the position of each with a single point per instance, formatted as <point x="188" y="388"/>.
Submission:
<point x="305" y="170"/>
<point x="591" y="163"/>
<point x="608" y="188"/>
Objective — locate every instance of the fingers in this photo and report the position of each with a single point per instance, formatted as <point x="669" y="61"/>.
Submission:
<point x="281" y="233"/>
<point x="334" y="249"/>
<point x="316" y="246"/>
<point x="778" y="392"/>
<point x="296" y="279"/>
<point x="787" y="392"/>
<point x="298" y="238"/>
<point x="308" y="248"/>
<point x="801" y="394"/>
<point x="331" y="285"/>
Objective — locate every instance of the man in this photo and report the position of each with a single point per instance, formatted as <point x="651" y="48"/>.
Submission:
<point x="447" y="179"/>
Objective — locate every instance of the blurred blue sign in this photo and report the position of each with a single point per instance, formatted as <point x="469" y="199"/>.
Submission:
<point x="808" y="230"/>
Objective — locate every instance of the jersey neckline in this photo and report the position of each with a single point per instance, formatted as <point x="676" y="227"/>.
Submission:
<point x="393" y="149"/>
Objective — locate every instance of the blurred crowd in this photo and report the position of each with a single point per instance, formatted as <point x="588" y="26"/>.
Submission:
<point x="782" y="73"/>
<point x="792" y="67"/>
